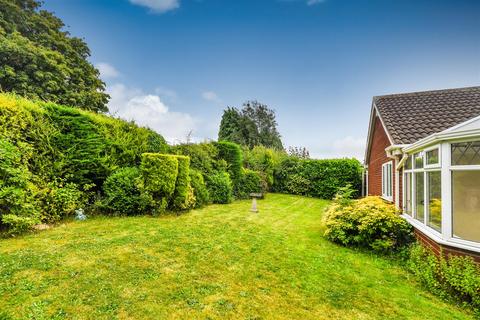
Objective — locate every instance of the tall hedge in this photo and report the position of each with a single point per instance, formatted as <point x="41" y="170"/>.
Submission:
<point x="317" y="178"/>
<point x="66" y="143"/>
<point x="182" y="185"/>
<point x="160" y="176"/>
<point x="232" y="154"/>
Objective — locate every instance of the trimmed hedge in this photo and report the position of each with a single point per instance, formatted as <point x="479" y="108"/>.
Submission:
<point x="220" y="188"/>
<point x="182" y="191"/>
<point x="317" y="178"/>
<point x="202" y="156"/>
<point x="232" y="154"/>
<point x="159" y="173"/>
<point x="199" y="188"/>
<point x="250" y="182"/>
<point x="124" y="193"/>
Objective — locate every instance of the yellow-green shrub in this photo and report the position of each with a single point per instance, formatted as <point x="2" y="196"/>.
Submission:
<point x="183" y="191"/>
<point x="369" y="222"/>
<point x="18" y="208"/>
<point x="59" y="200"/>
<point x="159" y="173"/>
<point x="199" y="188"/>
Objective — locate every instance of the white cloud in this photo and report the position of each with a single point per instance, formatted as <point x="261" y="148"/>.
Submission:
<point x="211" y="96"/>
<point x="149" y="110"/>
<point x="159" y="6"/>
<point x="107" y="71"/>
<point x="314" y="2"/>
<point x="349" y="147"/>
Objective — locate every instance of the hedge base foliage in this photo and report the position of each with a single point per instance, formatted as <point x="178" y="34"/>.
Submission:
<point x="200" y="190"/>
<point x="124" y="193"/>
<point x="250" y="182"/>
<point x="455" y="278"/>
<point x="220" y="188"/>
<point x="317" y="178"/>
<point x="369" y="223"/>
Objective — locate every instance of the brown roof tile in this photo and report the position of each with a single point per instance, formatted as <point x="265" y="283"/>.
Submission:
<point x="409" y="117"/>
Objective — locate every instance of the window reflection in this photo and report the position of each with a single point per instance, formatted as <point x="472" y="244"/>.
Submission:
<point x="466" y="205"/>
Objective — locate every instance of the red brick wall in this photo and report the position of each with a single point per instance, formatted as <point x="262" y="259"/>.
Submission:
<point x="439" y="249"/>
<point x="377" y="158"/>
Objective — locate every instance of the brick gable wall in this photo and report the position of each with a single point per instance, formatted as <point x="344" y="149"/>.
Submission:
<point x="377" y="158"/>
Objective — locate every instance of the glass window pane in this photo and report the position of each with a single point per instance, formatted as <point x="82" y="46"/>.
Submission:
<point x="418" y="160"/>
<point x="466" y="205"/>
<point x="408" y="163"/>
<point x="466" y="153"/>
<point x="419" y="197"/>
<point x="408" y="194"/>
<point x="432" y="156"/>
<point x="434" y="200"/>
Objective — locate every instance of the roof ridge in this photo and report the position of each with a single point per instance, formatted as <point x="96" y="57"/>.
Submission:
<point x="421" y="93"/>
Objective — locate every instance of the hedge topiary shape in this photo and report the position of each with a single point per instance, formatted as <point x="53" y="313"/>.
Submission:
<point x="182" y="184"/>
<point x="159" y="173"/>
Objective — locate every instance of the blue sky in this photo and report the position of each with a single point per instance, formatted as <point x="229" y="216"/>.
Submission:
<point x="174" y="65"/>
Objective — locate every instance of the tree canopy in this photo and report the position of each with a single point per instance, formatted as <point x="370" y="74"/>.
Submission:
<point x="39" y="59"/>
<point x="254" y="125"/>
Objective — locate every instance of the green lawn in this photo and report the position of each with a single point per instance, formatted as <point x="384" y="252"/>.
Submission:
<point x="220" y="262"/>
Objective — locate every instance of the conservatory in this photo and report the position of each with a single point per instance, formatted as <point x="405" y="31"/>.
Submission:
<point x="441" y="185"/>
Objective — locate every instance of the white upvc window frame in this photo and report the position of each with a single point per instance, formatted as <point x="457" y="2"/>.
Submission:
<point x="448" y="232"/>
<point x="387" y="181"/>
<point x="446" y="168"/>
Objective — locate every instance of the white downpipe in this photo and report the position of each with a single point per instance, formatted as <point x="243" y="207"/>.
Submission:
<point x="397" y="185"/>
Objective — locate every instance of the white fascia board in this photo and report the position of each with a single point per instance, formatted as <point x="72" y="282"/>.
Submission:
<point x="442" y="136"/>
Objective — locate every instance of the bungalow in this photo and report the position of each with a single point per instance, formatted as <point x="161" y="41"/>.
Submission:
<point x="423" y="154"/>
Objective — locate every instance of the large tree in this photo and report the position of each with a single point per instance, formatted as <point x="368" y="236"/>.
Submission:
<point x="254" y="125"/>
<point x="39" y="59"/>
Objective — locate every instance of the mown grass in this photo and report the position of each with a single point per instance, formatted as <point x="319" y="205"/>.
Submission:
<point x="220" y="262"/>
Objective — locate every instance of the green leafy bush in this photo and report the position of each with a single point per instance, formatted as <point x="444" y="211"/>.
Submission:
<point x="232" y="154"/>
<point x="456" y="278"/>
<point x="220" y="188"/>
<point x="60" y="200"/>
<point x="18" y="210"/>
<point x="262" y="159"/>
<point x="159" y="173"/>
<point x="124" y="193"/>
<point x="199" y="188"/>
<point x="369" y="222"/>
<point x="183" y="190"/>
<point x="250" y="182"/>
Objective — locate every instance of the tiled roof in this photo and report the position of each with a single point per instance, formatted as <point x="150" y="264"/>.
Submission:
<point x="409" y="117"/>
